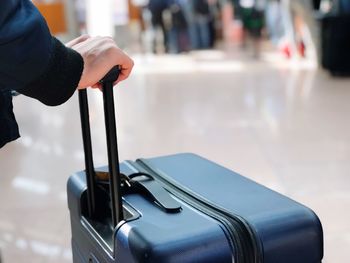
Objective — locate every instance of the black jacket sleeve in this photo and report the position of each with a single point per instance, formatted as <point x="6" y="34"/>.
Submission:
<point x="60" y="78"/>
<point x="33" y="62"/>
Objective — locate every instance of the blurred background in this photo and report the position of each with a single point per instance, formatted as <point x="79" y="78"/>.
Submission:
<point x="259" y="86"/>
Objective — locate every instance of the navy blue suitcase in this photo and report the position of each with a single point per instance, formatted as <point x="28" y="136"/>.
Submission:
<point x="182" y="209"/>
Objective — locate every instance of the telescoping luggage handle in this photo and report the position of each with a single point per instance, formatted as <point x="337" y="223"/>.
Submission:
<point x="112" y="148"/>
<point x="139" y="182"/>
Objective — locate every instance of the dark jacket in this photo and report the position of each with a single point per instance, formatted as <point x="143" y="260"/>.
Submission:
<point x="32" y="62"/>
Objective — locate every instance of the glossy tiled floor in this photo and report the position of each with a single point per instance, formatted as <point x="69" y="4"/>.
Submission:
<point x="283" y="124"/>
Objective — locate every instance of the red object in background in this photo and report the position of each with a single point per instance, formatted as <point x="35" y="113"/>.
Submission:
<point x="302" y="49"/>
<point x="286" y="50"/>
<point x="54" y="13"/>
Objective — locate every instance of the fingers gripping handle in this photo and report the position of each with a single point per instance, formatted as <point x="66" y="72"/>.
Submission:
<point x="111" y="134"/>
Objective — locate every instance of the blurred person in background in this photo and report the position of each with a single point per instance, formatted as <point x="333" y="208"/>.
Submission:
<point x="280" y="27"/>
<point x="274" y="21"/>
<point x="157" y="9"/>
<point x="214" y="9"/>
<point x="187" y="8"/>
<point x="201" y="21"/>
<point x="253" y="22"/>
<point x="178" y="32"/>
<point x="292" y="43"/>
<point x="36" y="64"/>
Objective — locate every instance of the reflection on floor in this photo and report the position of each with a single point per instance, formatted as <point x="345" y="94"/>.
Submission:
<point x="283" y="124"/>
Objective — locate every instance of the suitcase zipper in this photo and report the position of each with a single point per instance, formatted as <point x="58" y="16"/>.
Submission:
<point x="236" y="230"/>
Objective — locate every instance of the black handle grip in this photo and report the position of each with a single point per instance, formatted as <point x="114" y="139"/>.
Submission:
<point x="111" y="134"/>
<point x="111" y="76"/>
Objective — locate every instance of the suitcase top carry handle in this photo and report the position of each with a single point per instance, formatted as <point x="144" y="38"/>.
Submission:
<point x="112" y="148"/>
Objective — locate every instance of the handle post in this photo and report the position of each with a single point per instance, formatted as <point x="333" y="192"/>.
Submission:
<point x="112" y="147"/>
<point x="89" y="163"/>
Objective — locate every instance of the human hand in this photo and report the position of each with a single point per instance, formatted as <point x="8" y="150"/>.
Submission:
<point x="100" y="54"/>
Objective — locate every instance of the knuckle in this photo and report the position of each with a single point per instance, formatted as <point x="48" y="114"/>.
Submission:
<point x="108" y="40"/>
<point x="110" y="49"/>
<point x="92" y="54"/>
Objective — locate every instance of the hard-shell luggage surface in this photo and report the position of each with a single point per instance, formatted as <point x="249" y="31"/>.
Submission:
<point x="180" y="208"/>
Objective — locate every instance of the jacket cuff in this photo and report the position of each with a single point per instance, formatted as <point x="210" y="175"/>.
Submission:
<point x="61" y="78"/>
<point x="8" y="125"/>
